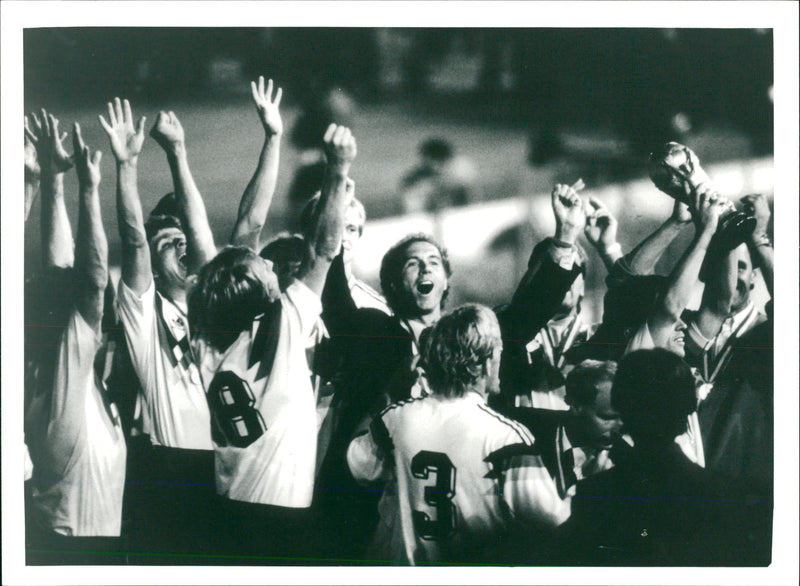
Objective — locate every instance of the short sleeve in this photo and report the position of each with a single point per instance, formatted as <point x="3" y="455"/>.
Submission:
<point x="306" y="305"/>
<point x="137" y="314"/>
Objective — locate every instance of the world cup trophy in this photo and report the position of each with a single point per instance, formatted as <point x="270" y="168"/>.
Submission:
<point x="675" y="170"/>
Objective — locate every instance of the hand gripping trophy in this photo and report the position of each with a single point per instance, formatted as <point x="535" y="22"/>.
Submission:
<point x="675" y="170"/>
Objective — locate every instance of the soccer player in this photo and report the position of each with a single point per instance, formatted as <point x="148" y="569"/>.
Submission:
<point x="157" y="258"/>
<point x="250" y="341"/>
<point x="664" y="326"/>
<point x="578" y="443"/>
<point x="735" y="416"/>
<point x="457" y="472"/>
<point x="655" y="507"/>
<point x="541" y="322"/>
<point x="74" y="433"/>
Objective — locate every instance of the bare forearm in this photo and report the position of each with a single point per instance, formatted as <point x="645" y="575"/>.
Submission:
<point x="685" y="276"/>
<point x="199" y="238"/>
<point x="31" y="190"/>
<point x="57" y="244"/>
<point x="330" y="221"/>
<point x="257" y="197"/>
<point x="763" y="256"/>
<point x="642" y="259"/>
<point x="136" y="271"/>
<point x="91" y="257"/>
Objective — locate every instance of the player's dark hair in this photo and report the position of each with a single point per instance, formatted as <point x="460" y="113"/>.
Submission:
<point x="392" y="269"/>
<point x="654" y="392"/>
<point x="309" y="212"/>
<point x="165" y="214"/>
<point x="583" y="380"/>
<point x="289" y="255"/>
<point x="155" y="224"/>
<point x="437" y="149"/>
<point x="457" y="348"/>
<point x="227" y="297"/>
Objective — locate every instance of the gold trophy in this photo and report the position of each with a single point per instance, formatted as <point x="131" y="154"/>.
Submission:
<point x="675" y="170"/>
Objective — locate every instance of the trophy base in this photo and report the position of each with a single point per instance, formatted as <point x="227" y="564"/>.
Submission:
<point x="732" y="230"/>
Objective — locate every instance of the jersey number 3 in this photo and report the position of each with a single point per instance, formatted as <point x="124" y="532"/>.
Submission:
<point x="438" y="496"/>
<point x="235" y="421"/>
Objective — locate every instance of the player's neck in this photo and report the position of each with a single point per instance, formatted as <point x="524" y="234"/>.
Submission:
<point x="175" y="294"/>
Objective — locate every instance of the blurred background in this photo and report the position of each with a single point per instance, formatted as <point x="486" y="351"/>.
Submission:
<point x="461" y="132"/>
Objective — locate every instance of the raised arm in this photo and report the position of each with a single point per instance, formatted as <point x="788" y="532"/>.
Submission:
<point x="642" y="259"/>
<point x="33" y="172"/>
<point x="257" y="196"/>
<point x="91" y="247"/>
<point x="126" y="144"/>
<point x="553" y="266"/>
<point x="325" y="234"/>
<point x="685" y="276"/>
<point x="601" y="232"/>
<point x="168" y="132"/>
<point x="57" y="244"/>
<point x="759" y="242"/>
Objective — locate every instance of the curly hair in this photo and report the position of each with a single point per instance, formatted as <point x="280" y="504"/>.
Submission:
<point x="456" y="349"/>
<point x="392" y="268"/>
<point x="227" y="297"/>
<point x="654" y="392"/>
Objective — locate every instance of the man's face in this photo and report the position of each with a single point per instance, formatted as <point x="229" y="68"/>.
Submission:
<point x="168" y="248"/>
<point x="600" y="421"/>
<point x="676" y="341"/>
<point x="745" y="276"/>
<point x="423" y="280"/>
<point x="353" y="228"/>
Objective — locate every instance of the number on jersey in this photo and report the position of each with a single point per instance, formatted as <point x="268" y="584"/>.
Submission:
<point x="439" y="496"/>
<point x="235" y="422"/>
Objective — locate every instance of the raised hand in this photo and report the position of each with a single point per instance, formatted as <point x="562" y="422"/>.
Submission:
<point x="87" y="164"/>
<point x="756" y="205"/>
<point x="709" y="208"/>
<point x="601" y="225"/>
<point x="267" y="107"/>
<point x="340" y="146"/>
<point x="126" y="142"/>
<point x="52" y="157"/>
<point x="569" y="210"/>
<point x="167" y="131"/>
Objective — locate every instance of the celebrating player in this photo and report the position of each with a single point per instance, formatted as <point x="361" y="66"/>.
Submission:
<point x="250" y="340"/>
<point x="458" y="473"/>
<point x="157" y="257"/>
<point x="74" y="432"/>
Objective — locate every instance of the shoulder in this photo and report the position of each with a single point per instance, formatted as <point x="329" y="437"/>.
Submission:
<point x="505" y="425"/>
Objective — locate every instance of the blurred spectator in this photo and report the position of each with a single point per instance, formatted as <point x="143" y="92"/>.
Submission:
<point x="440" y="180"/>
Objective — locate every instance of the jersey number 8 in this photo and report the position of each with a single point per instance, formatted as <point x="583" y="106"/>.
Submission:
<point x="235" y="422"/>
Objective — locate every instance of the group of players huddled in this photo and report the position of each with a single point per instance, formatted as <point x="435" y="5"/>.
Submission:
<point x="257" y="403"/>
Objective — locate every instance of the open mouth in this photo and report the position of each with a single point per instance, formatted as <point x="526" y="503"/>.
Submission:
<point x="425" y="287"/>
<point x="182" y="260"/>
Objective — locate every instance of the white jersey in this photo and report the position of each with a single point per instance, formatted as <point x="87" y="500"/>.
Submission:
<point x="79" y="473"/>
<point x="175" y="412"/>
<point x="457" y="472"/>
<point x="263" y="406"/>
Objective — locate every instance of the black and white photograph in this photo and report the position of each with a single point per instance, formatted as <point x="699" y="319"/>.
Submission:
<point x="400" y="292"/>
